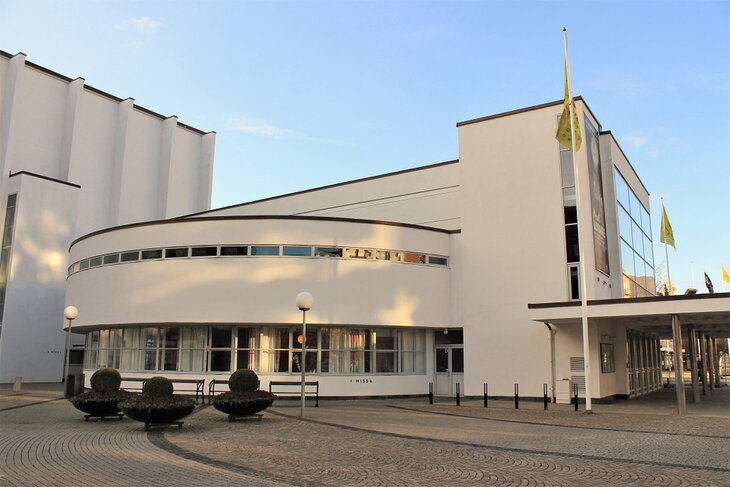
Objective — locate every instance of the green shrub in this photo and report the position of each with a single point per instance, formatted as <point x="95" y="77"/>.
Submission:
<point x="106" y="380"/>
<point x="243" y="380"/>
<point x="157" y="387"/>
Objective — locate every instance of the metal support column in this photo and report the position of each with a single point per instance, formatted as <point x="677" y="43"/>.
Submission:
<point x="710" y="365"/>
<point x="714" y="366"/>
<point x="692" y="339"/>
<point x="678" y="365"/>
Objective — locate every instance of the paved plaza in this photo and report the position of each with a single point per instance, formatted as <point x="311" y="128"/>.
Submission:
<point x="45" y="441"/>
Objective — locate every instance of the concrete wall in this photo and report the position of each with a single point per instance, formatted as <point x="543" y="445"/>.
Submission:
<point x="131" y="165"/>
<point x="32" y="343"/>
<point x="424" y="196"/>
<point x="262" y="289"/>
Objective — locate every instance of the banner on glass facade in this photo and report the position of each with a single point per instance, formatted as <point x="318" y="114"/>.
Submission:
<point x="600" y="240"/>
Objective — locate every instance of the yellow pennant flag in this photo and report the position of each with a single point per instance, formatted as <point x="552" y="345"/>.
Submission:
<point x="725" y="275"/>
<point x="563" y="132"/>
<point x="665" y="233"/>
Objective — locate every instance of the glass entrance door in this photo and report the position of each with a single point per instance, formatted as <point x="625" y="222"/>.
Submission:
<point x="449" y="369"/>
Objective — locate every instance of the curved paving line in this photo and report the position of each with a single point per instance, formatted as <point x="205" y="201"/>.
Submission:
<point x="31" y="404"/>
<point x="444" y="413"/>
<point x="158" y="439"/>
<point x="506" y="449"/>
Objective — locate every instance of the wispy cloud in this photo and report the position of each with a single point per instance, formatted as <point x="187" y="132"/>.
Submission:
<point x="145" y="25"/>
<point x="259" y="127"/>
<point x="636" y="140"/>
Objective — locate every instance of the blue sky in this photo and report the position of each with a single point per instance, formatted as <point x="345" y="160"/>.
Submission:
<point x="304" y="94"/>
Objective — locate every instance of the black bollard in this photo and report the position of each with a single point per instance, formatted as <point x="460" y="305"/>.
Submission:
<point x="517" y="396"/>
<point x="575" y="395"/>
<point x="458" y="390"/>
<point x="486" y="391"/>
<point x="544" y="396"/>
<point x="430" y="392"/>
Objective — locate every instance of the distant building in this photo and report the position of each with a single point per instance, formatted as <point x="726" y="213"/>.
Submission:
<point x="73" y="160"/>
<point x="439" y="274"/>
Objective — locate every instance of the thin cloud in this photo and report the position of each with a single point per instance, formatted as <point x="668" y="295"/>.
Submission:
<point x="258" y="127"/>
<point x="636" y="140"/>
<point x="145" y="25"/>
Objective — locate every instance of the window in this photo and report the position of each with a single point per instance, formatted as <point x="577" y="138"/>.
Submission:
<point x="277" y="349"/>
<point x="92" y="349"/>
<point x="169" y="348"/>
<point x="264" y="250"/>
<point x="6" y="245"/>
<point x="434" y="260"/>
<point x="386" y="346"/>
<point x="297" y="251"/>
<point x="413" y="355"/>
<point x="152" y="254"/>
<point x="356" y="253"/>
<point x="111" y="259"/>
<point x="574" y="281"/>
<point x="220" y="349"/>
<point x="247" y="348"/>
<point x="388" y="255"/>
<point x="608" y="363"/>
<point x="110" y="348"/>
<point x="192" y="353"/>
<point x="148" y="348"/>
<point x="637" y="253"/>
<point x="130" y="348"/>
<point x="130" y="256"/>
<point x="205" y="251"/>
<point x="238" y="250"/>
<point x="95" y="262"/>
<point x="327" y="252"/>
<point x="414" y="258"/>
<point x="176" y="253"/>
<point x="312" y="347"/>
<point x="84" y="264"/>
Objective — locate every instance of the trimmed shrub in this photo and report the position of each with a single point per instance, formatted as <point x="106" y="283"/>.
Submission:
<point x="243" y="403"/>
<point x="100" y="403"/>
<point x="106" y="380"/>
<point x="243" y="380"/>
<point x="157" y="387"/>
<point x="153" y="410"/>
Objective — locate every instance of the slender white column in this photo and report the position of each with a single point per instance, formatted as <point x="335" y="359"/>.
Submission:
<point x="692" y="339"/>
<point x="121" y="141"/>
<point x="678" y="365"/>
<point x="70" y="129"/>
<point x="167" y="149"/>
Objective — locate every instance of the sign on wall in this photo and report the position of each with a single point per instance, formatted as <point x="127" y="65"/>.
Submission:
<point x="600" y="240"/>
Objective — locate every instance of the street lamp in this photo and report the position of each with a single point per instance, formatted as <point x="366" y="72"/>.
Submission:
<point x="70" y="313"/>
<point x="304" y="301"/>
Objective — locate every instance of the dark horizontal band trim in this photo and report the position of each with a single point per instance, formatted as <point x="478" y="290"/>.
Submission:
<point x="527" y="109"/>
<point x="329" y="186"/>
<point x="258" y="217"/>
<point x="648" y="299"/>
<point x="39" y="176"/>
<point x="48" y="71"/>
<point x="608" y="132"/>
<point x="103" y="93"/>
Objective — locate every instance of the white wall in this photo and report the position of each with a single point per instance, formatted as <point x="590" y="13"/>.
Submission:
<point x="62" y="129"/>
<point x="427" y="196"/>
<point x="32" y="343"/>
<point x="262" y="289"/>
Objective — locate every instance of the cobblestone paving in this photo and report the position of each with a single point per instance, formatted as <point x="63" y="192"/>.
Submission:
<point x="321" y="454"/>
<point x="49" y="444"/>
<point x="559" y="415"/>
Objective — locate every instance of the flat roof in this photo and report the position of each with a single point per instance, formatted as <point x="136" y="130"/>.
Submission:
<point x="90" y="88"/>
<point x="709" y="313"/>
<point x="528" y="109"/>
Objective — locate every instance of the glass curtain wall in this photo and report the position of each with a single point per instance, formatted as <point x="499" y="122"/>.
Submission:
<point x="637" y="254"/>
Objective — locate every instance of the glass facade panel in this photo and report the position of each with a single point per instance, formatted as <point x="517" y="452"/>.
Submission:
<point x="230" y="251"/>
<point x="327" y="252"/>
<point x="357" y="253"/>
<point x="176" y="253"/>
<point x="264" y="250"/>
<point x="111" y="259"/>
<point x="152" y="254"/>
<point x="388" y="255"/>
<point x="204" y="251"/>
<point x="414" y="258"/>
<point x="297" y="251"/>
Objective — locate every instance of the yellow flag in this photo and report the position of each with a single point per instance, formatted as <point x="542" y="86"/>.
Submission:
<point x="725" y="275"/>
<point x="563" y="132"/>
<point x="665" y="234"/>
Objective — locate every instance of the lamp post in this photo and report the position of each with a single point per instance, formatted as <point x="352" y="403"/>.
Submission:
<point x="70" y="313"/>
<point x="304" y="301"/>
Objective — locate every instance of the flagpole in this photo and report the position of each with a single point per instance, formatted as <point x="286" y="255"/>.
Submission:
<point x="581" y="253"/>
<point x="666" y="253"/>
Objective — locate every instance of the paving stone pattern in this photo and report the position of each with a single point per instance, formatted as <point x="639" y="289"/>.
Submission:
<point x="355" y="443"/>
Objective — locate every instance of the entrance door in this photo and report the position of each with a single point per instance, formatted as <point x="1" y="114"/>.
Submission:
<point x="449" y="370"/>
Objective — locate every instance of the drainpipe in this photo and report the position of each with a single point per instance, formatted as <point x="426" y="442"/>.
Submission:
<point x="552" y="361"/>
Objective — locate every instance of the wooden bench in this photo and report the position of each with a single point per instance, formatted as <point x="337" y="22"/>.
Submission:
<point x="298" y="391"/>
<point x="199" y="385"/>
